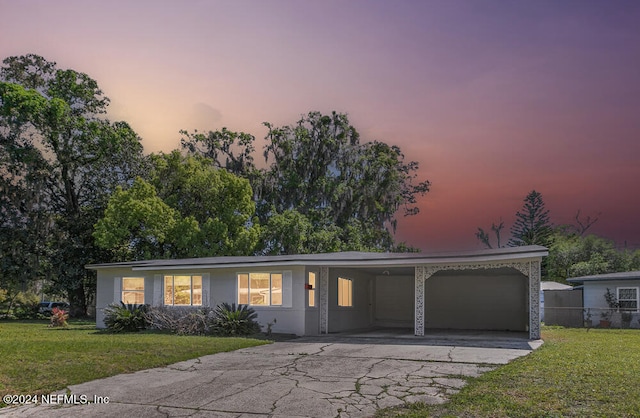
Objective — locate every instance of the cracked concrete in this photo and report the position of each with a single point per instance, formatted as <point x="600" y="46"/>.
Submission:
<point x="306" y="377"/>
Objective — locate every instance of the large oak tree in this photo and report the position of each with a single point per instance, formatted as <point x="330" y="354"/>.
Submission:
<point x="320" y="178"/>
<point x="61" y="159"/>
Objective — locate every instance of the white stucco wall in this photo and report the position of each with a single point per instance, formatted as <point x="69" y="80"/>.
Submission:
<point x="394" y="301"/>
<point x="109" y="288"/>
<point x="219" y="285"/>
<point x="290" y="320"/>
<point x="312" y="314"/>
<point x="358" y="316"/>
<point x="594" y="292"/>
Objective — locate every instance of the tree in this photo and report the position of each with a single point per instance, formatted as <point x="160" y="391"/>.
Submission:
<point x="187" y="209"/>
<point x="61" y="159"/>
<point x="287" y="233"/>
<point x="532" y="226"/>
<point x="230" y="150"/>
<point x="293" y="233"/>
<point x="583" y="224"/>
<point x="137" y="223"/>
<point x="484" y="237"/>
<point x="319" y="169"/>
<point x="219" y="201"/>
<point x="573" y="255"/>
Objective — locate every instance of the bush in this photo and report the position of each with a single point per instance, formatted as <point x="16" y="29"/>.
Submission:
<point x="235" y="321"/>
<point x="224" y="320"/>
<point x="181" y="320"/>
<point x="26" y="305"/>
<point x="125" y="317"/>
<point x="59" y="318"/>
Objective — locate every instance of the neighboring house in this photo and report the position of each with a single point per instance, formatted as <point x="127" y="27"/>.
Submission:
<point x="624" y="286"/>
<point x="313" y="294"/>
<point x="549" y="286"/>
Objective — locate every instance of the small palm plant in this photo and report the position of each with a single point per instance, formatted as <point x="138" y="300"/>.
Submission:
<point x="232" y="320"/>
<point x="125" y="317"/>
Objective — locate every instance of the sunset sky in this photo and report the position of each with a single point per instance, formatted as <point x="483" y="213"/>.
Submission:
<point x="492" y="98"/>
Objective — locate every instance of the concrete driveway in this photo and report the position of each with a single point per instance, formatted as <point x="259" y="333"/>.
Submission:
<point x="325" y="376"/>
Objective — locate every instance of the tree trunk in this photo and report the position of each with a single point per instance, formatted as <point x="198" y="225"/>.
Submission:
<point x="78" y="302"/>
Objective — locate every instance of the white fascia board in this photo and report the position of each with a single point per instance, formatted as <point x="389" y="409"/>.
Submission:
<point x="355" y="264"/>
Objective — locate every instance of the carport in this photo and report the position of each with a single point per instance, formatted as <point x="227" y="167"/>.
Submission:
<point x="494" y="290"/>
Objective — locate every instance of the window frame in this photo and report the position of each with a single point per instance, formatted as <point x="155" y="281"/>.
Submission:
<point x="124" y="289"/>
<point x="342" y="303"/>
<point x="191" y="289"/>
<point x="311" y="301"/>
<point x="636" y="300"/>
<point x="270" y="303"/>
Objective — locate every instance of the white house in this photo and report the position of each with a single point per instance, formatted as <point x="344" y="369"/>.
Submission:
<point x="315" y="294"/>
<point x="625" y="287"/>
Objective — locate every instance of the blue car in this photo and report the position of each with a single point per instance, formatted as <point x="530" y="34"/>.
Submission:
<point x="46" y="308"/>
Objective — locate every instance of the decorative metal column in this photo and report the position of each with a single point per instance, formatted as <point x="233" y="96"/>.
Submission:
<point x="534" y="300"/>
<point x="324" y="300"/>
<point x="420" y="273"/>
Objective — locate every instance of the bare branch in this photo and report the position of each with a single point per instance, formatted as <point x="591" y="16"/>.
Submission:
<point x="583" y="225"/>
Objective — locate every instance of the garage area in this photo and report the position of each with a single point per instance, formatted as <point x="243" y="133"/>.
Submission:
<point x="488" y="290"/>
<point x="483" y="299"/>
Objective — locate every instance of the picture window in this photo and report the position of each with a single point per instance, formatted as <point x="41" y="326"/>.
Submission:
<point x="183" y="290"/>
<point x="260" y="289"/>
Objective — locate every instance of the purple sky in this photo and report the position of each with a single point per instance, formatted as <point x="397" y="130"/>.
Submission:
<point x="492" y="98"/>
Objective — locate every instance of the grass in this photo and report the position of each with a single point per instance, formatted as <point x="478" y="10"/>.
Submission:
<point x="576" y="373"/>
<point x="38" y="360"/>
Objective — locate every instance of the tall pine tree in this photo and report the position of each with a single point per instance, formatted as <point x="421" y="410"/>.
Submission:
<point x="532" y="226"/>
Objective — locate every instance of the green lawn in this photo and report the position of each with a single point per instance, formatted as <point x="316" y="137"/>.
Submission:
<point x="576" y="373"/>
<point x="37" y="359"/>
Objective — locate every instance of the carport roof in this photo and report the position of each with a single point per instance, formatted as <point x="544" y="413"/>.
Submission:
<point x="625" y="275"/>
<point x="344" y="259"/>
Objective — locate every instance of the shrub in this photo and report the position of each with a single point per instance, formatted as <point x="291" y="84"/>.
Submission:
<point x="224" y="320"/>
<point x="125" y="317"/>
<point x="184" y="320"/>
<point x="59" y="318"/>
<point x="235" y="321"/>
<point x="25" y="305"/>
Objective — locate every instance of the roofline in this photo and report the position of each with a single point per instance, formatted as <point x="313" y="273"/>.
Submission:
<point x="607" y="277"/>
<point x="342" y="259"/>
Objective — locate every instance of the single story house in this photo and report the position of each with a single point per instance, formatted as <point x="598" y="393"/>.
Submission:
<point x="312" y="294"/>
<point x="624" y="286"/>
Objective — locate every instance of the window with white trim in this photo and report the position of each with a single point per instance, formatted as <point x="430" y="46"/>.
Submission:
<point x="260" y="289"/>
<point x="345" y="292"/>
<point x="628" y="298"/>
<point x="133" y="290"/>
<point x="183" y="290"/>
<point x="312" y="289"/>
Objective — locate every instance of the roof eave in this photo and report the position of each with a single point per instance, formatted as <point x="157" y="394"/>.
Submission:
<point x="340" y="260"/>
